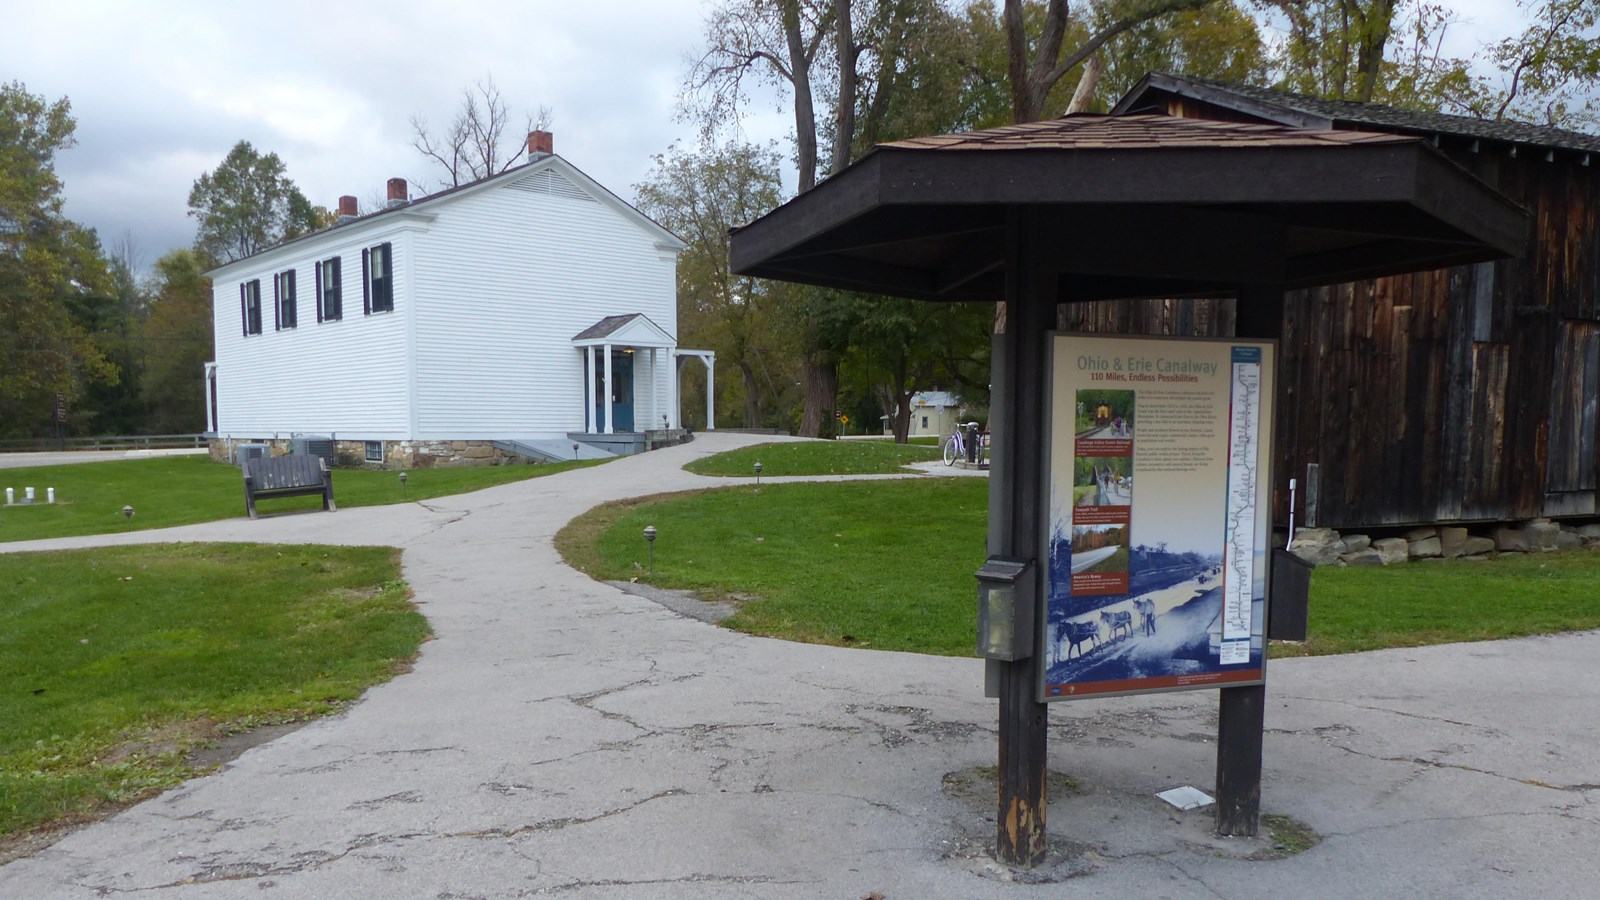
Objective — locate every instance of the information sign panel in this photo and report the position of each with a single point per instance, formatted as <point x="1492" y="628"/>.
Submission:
<point x="1159" y="491"/>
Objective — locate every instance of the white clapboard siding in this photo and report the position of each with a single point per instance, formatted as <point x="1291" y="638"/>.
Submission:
<point x="345" y="376"/>
<point x="504" y="281"/>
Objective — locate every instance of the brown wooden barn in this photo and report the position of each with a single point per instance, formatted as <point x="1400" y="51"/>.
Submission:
<point x="1458" y="395"/>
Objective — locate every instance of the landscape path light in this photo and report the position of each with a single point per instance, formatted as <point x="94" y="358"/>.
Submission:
<point x="758" y="473"/>
<point x="127" y="513"/>
<point x="574" y="449"/>
<point x="650" y="541"/>
<point x="402" y="484"/>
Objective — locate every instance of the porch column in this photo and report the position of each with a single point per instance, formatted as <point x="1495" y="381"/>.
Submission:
<point x="656" y="417"/>
<point x="674" y="361"/>
<point x="588" y="390"/>
<point x="644" y="414"/>
<point x="607" y="350"/>
<point x="711" y="391"/>
<point x="211" y="393"/>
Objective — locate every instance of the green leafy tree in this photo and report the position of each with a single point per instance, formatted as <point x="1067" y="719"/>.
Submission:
<point x="699" y="195"/>
<point x="905" y="346"/>
<point x="846" y="69"/>
<point x="1390" y="51"/>
<point x="46" y="262"/>
<point x="1547" y="74"/>
<point x="180" y="335"/>
<point x="114" y="320"/>
<point x="1336" y="48"/>
<point x="248" y="204"/>
<point x="1220" y="41"/>
<point x="1046" y="42"/>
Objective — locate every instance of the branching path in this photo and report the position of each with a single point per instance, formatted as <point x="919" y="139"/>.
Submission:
<point x="560" y="736"/>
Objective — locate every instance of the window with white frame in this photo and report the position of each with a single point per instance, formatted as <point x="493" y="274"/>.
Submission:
<point x="250" y="306"/>
<point x="374" y="451"/>
<point x="377" y="277"/>
<point x="330" y="290"/>
<point x="285" y="309"/>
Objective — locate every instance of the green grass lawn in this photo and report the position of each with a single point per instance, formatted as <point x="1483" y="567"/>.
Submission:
<point x="816" y="458"/>
<point x="1443" y="602"/>
<point x="115" y="662"/>
<point x="890" y="565"/>
<point x="182" y="490"/>
<point x="884" y="564"/>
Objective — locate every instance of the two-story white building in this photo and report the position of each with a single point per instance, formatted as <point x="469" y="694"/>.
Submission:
<point x="532" y="307"/>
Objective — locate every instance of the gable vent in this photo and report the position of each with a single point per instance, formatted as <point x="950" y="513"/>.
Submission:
<point x="548" y="182"/>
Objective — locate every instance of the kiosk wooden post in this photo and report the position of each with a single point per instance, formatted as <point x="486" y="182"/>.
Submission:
<point x="1016" y="522"/>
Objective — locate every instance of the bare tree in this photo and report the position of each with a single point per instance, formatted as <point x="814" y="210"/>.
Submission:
<point x="476" y="144"/>
<point x="776" y="42"/>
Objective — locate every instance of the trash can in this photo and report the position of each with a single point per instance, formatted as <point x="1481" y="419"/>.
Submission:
<point x="1291" y="597"/>
<point x="972" y="442"/>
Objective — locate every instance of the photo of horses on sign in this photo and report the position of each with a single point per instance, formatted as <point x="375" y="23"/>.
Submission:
<point x="1135" y="581"/>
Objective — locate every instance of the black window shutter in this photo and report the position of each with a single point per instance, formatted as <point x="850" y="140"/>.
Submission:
<point x="244" y="310"/>
<point x="293" y="299"/>
<point x="316" y="273"/>
<point x="277" y="302"/>
<point x="336" y="293"/>
<point x="388" y="277"/>
<point x="366" y="281"/>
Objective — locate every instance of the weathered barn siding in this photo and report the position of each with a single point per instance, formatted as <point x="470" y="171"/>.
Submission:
<point x="1459" y="395"/>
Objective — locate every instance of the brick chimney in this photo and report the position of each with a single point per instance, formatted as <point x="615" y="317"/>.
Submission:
<point x="397" y="191"/>
<point x="347" y="207"/>
<point x="541" y="142"/>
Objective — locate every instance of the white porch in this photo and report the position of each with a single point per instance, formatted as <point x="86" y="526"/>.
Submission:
<point x="631" y="376"/>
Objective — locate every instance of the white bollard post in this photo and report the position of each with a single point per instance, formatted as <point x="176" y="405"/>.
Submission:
<point x="49" y="495"/>
<point x="11" y="496"/>
<point x="27" y="495"/>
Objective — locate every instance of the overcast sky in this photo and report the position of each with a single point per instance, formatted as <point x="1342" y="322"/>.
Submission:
<point x="162" y="90"/>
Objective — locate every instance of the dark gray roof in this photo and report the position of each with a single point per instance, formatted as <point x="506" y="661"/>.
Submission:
<point x="533" y="159"/>
<point x="606" y="327"/>
<point x="1315" y="112"/>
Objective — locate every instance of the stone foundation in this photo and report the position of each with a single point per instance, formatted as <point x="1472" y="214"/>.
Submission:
<point x="1327" y="547"/>
<point x="396" y="454"/>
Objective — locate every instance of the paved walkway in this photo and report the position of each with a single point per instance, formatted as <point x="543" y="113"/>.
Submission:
<point x="562" y="737"/>
<point x="73" y="457"/>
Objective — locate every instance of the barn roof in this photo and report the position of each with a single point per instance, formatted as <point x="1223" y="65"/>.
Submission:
<point x="1317" y="112"/>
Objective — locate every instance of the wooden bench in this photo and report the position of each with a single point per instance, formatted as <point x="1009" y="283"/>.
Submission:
<point x="287" y="476"/>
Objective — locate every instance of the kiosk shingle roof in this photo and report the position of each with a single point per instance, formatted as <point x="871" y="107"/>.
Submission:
<point x="1086" y="131"/>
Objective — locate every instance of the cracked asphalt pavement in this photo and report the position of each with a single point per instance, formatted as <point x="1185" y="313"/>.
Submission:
<point x="562" y="737"/>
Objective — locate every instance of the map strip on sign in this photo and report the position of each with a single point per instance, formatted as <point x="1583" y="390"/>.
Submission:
<point x="1244" y="414"/>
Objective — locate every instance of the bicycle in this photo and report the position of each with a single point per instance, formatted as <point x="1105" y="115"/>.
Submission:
<point x="955" y="446"/>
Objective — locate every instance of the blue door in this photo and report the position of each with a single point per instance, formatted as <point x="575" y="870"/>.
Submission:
<point x="621" y="393"/>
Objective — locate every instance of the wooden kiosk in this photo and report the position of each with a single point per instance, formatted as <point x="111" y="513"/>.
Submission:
<point x="1095" y="207"/>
